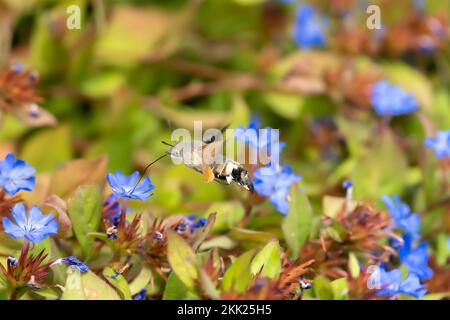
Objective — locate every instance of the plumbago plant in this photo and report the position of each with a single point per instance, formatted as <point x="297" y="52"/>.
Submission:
<point x="357" y="208"/>
<point x="95" y="246"/>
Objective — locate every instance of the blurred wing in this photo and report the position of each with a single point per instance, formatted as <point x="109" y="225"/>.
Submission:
<point x="208" y="174"/>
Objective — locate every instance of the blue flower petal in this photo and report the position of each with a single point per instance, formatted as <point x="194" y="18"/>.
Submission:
<point x="125" y="186"/>
<point x="12" y="229"/>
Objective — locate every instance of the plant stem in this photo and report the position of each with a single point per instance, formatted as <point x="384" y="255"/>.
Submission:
<point x="13" y="294"/>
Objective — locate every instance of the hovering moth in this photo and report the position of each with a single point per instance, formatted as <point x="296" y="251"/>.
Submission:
<point x="202" y="159"/>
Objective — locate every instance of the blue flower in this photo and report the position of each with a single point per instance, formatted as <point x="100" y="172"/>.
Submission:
<point x="192" y="223"/>
<point x="140" y="295"/>
<point x="125" y="186"/>
<point x="419" y="5"/>
<point x="402" y="216"/>
<point x="391" y="283"/>
<point x="17" y="68"/>
<point x="75" y="263"/>
<point x="416" y="259"/>
<point x="259" y="139"/>
<point x="275" y="183"/>
<point x="36" y="227"/>
<point x="389" y="99"/>
<point x="440" y="144"/>
<point x="16" y="175"/>
<point x="347" y="184"/>
<point x="309" y="28"/>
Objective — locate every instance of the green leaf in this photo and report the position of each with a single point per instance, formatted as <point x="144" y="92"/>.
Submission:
<point x="203" y="232"/>
<point x="322" y="288"/>
<point x="333" y="205"/>
<point x="141" y="281"/>
<point x="97" y="289"/>
<point x="251" y="235"/>
<point x="47" y="159"/>
<point x="229" y="214"/>
<point x="182" y="259"/>
<point x="268" y="260"/>
<point x="373" y="175"/>
<point x="286" y="105"/>
<point x="131" y="25"/>
<point x="48" y="293"/>
<point x="43" y="245"/>
<point x="73" y="289"/>
<point x="208" y="286"/>
<point x="439" y="111"/>
<point x="85" y="210"/>
<point x="118" y="282"/>
<point x="223" y="242"/>
<point x="336" y="231"/>
<point x="442" y="251"/>
<point x="249" y="2"/>
<point x="176" y="290"/>
<point x="102" y="85"/>
<point x="353" y="265"/>
<point x="340" y="289"/>
<point x="238" y="276"/>
<point x="297" y="224"/>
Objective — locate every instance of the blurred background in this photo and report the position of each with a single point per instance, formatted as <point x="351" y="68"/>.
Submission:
<point x="136" y="70"/>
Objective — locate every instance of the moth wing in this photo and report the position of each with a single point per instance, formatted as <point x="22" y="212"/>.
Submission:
<point x="209" y="151"/>
<point x="208" y="174"/>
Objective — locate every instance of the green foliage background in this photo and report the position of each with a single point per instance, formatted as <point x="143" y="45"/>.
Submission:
<point x="138" y="69"/>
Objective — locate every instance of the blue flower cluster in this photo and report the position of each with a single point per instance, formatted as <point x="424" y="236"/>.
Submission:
<point x="392" y="283"/>
<point x="392" y="100"/>
<point x="440" y="144"/>
<point x="16" y="175"/>
<point x="415" y="258"/>
<point x="309" y="28"/>
<point x="271" y="181"/>
<point x="402" y="216"/>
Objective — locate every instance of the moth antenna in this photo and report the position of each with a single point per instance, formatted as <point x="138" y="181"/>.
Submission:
<point x="225" y="127"/>
<point x="145" y="170"/>
<point x="167" y="144"/>
<point x="213" y="138"/>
